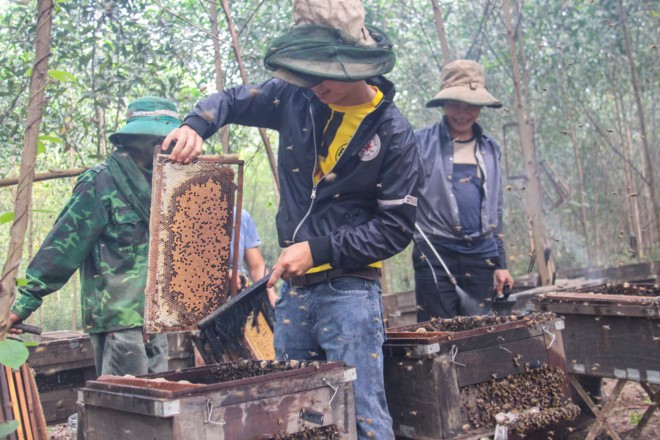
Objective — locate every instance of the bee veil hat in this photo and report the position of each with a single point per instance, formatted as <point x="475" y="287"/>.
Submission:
<point x="329" y="40"/>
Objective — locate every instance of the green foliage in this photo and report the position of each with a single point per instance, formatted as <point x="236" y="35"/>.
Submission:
<point x="635" y="418"/>
<point x="13" y="353"/>
<point x="8" y="427"/>
<point x="6" y="218"/>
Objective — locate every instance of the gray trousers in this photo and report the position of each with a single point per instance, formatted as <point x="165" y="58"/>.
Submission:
<point x="124" y="352"/>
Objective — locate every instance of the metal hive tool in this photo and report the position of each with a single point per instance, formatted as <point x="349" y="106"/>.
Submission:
<point x="190" y="238"/>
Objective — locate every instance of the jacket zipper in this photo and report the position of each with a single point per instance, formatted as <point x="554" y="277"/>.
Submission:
<point x="313" y="195"/>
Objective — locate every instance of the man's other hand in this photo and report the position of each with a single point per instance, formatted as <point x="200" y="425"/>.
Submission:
<point x="293" y="261"/>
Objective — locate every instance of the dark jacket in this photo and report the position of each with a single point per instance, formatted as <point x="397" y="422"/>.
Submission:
<point x="438" y="215"/>
<point x="361" y="212"/>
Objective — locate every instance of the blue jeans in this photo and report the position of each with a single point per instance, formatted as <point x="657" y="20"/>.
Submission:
<point x="340" y="320"/>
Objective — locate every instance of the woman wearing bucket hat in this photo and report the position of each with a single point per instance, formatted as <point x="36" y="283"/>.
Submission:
<point x="103" y="230"/>
<point x="459" y="252"/>
<point x="348" y="170"/>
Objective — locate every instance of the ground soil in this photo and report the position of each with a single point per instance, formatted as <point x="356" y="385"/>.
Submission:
<point x="629" y="408"/>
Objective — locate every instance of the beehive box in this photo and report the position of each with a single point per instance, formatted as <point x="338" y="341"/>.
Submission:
<point x="62" y="362"/>
<point x="238" y="400"/>
<point x="612" y="329"/>
<point x="446" y="379"/>
<point x="400" y="308"/>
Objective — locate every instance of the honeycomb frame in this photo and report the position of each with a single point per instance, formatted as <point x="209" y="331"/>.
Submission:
<point x="191" y="228"/>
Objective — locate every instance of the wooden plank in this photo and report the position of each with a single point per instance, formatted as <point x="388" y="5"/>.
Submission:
<point x="602" y="417"/>
<point x="413" y="397"/>
<point x="654" y="399"/>
<point x="57" y="354"/>
<point x="103" y="423"/>
<point x="14" y="403"/>
<point x="58" y="405"/>
<point x="587" y="308"/>
<point x="554" y="342"/>
<point x="22" y="405"/>
<point x="448" y="385"/>
<point x="577" y="386"/>
<point x="26" y="373"/>
<point x="6" y="404"/>
<point x="629" y="272"/>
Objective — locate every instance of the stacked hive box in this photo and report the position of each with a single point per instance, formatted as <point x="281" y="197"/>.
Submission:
<point x="238" y="400"/>
<point x="612" y="330"/>
<point x="449" y="378"/>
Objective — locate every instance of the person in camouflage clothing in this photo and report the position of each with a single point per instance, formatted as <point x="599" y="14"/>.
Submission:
<point x="104" y="231"/>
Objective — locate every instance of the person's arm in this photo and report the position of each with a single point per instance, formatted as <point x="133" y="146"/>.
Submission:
<point x="66" y="246"/>
<point x="255" y="106"/>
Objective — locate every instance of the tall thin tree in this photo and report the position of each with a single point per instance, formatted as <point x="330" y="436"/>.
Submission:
<point x="219" y="73"/>
<point x="244" y="76"/>
<point x="29" y="157"/>
<point x="440" y="28"/>
<point x="648" y="158"/>
<point x="533" y="195"/>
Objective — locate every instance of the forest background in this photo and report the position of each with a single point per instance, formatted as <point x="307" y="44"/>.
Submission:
<point x="584" y="72"/>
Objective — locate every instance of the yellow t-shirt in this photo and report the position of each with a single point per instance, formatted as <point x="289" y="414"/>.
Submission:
<point x="337" y="134"/>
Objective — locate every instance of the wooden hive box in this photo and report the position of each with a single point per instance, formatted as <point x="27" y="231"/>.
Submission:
<point x="612" y="330"/>
<point x="440" y="384"/>
<point x="238" y="400"/>
<point x="400" y="308"/>
<point x="62" y="361"/>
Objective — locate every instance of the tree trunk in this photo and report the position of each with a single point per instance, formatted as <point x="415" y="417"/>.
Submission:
<point x="219" y="74"/>
<point x="440" y="28"/>
<point x="636" y="245"/>
<point x="635" y="230"/>
<point x="533" y="196"/>
<point x="648" y="158"/>
<point x="584" y="216"/>
<point x="239" y="59"/>
<point x="28" y="159"/>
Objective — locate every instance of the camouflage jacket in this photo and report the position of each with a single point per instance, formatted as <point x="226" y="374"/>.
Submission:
<point x="101" y="233"/>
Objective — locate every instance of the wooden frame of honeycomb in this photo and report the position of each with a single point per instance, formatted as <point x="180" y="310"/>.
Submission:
<point x="190" y="235"/>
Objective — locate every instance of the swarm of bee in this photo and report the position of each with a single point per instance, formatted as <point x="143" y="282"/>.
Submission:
<point x="330" y="432"/>
<point x="537" y="389"/>
<point x="649" y="290"/>
<point x="250" y="368"/>
<point x="463" y="323"/>
<point x="54" y="380"/>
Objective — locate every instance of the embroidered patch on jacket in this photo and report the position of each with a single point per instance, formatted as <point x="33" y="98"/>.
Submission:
<point x="410" y="200"/>
<point x="370" y="150"/>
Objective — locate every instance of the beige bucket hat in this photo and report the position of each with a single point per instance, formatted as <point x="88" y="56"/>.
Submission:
<point x="463" y="80"/>
<point x="347" y="15"/>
